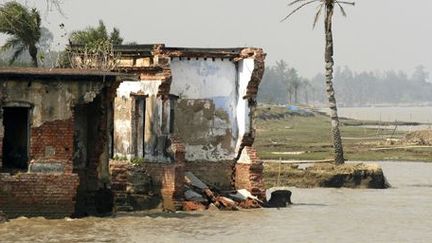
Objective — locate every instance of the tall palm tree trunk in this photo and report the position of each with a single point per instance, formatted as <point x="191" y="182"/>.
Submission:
<point x="33" y="54"/>
<point x="329" y="63"/>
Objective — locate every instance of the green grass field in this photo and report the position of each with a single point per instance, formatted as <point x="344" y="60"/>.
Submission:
<point x="308" y="138"/>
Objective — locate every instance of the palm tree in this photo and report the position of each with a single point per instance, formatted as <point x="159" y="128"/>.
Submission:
<point x="328" y="6"/>
<point x="93" y="37"/>
<point x="24" y="27"/>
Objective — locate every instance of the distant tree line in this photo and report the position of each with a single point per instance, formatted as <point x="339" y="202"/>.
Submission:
<point x="282" y="84"/>
<point x="30" y="44"/>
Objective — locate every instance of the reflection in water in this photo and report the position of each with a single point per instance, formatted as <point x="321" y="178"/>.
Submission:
<point x="400" y="214"/>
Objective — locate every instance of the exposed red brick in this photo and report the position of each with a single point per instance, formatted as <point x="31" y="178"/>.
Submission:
<point x="36" y="194"/>
<point x="53" y="140"/>
<point x="259" y="56"/>
<point x="193" y="206"/>
<point x="249" y="203"/>
<point x="249" y="174"/>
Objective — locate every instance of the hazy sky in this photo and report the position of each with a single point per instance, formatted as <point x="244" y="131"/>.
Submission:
<point x="376" y="35"/>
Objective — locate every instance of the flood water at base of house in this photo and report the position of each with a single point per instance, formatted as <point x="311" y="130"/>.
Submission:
<point x="402" y="213"/>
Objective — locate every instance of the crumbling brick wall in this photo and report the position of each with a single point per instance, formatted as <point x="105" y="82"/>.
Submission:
<point x="145" y="186"/>
<point x="149" y="185"/>
<point x="49" y="187"/>
<point x="248" y="172"/>
<point x="36" y="194"/>
<point x="53" y="141"/>
<point x="47" y="193"/>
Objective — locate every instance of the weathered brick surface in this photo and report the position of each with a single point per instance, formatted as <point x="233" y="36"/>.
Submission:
<point x="249" y="173"/>
<point x="43" y="194"/>
<point x="53" y="141"/>
<point x="160" y="184"/>
<point x="36" y="194"/>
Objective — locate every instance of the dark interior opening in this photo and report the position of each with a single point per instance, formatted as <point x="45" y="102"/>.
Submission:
<point x="138" y="125"/>
<point x="89" y="138"/>
<point x="16" y="138"/>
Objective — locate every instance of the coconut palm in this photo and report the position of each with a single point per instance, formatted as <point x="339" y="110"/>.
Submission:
<point x="328" y="6"/>
<point x="24" y="27"/>
<point x="92" y="37"/>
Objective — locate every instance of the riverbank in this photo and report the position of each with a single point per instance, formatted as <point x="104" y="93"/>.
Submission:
<point x="288" y="138"/>
<point x="350" y="175"/>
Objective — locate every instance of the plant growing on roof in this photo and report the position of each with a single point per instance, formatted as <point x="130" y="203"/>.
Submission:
<point x="328" y="7"/>
<point x="96" y="47"/>
<point x="24" y="27"/>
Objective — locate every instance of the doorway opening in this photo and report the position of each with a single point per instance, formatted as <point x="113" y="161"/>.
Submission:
<point x="16" y="138"/>
<point x="138" y="125"/>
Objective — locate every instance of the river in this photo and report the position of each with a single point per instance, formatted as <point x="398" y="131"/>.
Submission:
<point x="422" y="114"/>
<point x="400" y="214"/>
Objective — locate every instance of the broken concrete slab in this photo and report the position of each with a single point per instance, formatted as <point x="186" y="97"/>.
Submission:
<point x="192" y="195"/>
<point x="242" y="195"/>
<point x="248" y="194"/>
<point x="191" y="179"/>
<point x="238" y="197"/>
<point x="227" y="204"/>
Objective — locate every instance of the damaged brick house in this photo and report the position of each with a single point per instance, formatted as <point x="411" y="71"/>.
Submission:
<point x="43" y="115"/>
<point x="75" y="134"/>
<point x="198" y="103"/>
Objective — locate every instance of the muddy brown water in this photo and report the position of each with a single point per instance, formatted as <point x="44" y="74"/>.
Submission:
<point x="400" y="214"/>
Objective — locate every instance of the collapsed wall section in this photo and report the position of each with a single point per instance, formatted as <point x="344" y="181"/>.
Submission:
<point x="248" y="169"/>
<point x="212" y="112"/>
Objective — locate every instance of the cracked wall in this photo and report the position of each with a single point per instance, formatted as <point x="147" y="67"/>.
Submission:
<point x="206" y="109"/>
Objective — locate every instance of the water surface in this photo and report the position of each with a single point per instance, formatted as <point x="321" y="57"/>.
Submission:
<point x="422" y="114"/>
<point x="400" y="214"/>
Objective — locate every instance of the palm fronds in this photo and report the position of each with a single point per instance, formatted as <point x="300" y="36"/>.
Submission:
<point x="298" y="8"/>
<point x="23" y="25"/>
<point x="317" y="15"/>
<point x="323" y="4"/>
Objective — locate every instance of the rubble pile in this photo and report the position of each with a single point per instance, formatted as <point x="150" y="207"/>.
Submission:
<point x="199" y="196"/>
